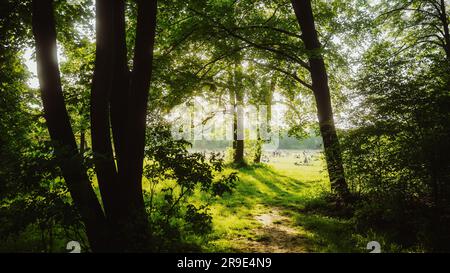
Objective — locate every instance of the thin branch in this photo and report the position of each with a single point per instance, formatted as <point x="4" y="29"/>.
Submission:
<point x="182" y="39"/>
<point x="424" y="11"/>
<point x="270" y="49"/>
<point x="436" y="6"/>
<point x="394" y="10"/>
<point x="271" y="28"/>
<point x="221" y="57"/>
<point x="273" y="14"/>
<point x="256" y="45"/>
<point x="287" y="73"/>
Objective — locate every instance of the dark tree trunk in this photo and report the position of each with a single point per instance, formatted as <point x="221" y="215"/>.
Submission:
<point x="258" y="152"/>
<point x="238" y="141"/>
<point x="444" y="21"/>
<point x="120" y="82"/>
<point x="238" y="116"/>
<point x="117" y="96"/>
<point x="59" y="127"/>
<point x="121" y="96"/>
<point x="319" y="77"/>
<point x="239" y="154"/>
<point x="132" y="157"/>
<point x="105" y="167"/>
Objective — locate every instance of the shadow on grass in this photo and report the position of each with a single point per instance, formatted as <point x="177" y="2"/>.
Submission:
<point x="260" y="185"/>
<point x="273" y="184"/>
<point x="329" y="234"/>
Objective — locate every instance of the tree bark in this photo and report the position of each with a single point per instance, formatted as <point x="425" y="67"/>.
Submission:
<point x="61" y="134"/>
<point x="444" y="21"/>
<point x="303" y="11"/>
<point x="239" y="155"/>
<point x="120" y="82"/>
<point x="234" y="107"/>
<point x="105" y="167"/>
<point x="116" y="96"/>
<point x="122" y="98"/>
<point x="267" y="102"/>
<point x="238" y="116"/>
<point x="258" y="145"/>
<point x="130" y="174"/>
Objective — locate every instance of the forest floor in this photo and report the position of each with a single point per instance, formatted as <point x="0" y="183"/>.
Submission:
<point x="268" y="212"/>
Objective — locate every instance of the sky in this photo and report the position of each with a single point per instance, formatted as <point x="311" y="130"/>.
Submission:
<point x="30" y="62"/>
<point x="31" y="65"/>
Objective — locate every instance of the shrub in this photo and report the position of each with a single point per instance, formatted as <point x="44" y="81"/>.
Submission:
<point x="174" y="175"/>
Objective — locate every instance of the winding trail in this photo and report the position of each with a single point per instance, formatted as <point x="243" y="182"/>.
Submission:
<point x="268" y="213"/>
<point x="276" y="234"/>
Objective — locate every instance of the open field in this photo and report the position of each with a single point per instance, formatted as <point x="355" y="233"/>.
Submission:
<point x="266" y="211"/>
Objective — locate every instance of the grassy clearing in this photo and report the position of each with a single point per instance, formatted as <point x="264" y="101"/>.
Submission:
<point x="271" y="210"/>
<point x="279" y="191"/>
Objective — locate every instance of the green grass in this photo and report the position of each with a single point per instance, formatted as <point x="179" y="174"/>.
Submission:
<point x="292" y="191"/>
<point x="288" y="188"/>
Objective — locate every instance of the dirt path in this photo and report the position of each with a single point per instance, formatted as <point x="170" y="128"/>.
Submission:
<point x="276" y="234"/>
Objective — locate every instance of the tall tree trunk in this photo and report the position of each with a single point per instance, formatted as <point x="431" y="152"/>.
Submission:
<point x="132" y="158"/>
<point x="239" y="155"/>
<point x="118" y="96"/>
<point x="444" y="21"/>
<point x="239" y="115"/>
<point x="258" y="145"/>
<point x="234" y="112"/>
<point x="303" y="11"/>
<point x="59" y="127"/>
<point x="267" y="102"/>
<point x="120" y="89"/>
<point x="121" y="96"/>
<point x="105" y="167"/>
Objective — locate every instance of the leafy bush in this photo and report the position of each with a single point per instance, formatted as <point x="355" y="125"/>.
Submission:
<point x="36" y="212"/>
<point x="174" y="175"/>
<point x="397" y="157"/>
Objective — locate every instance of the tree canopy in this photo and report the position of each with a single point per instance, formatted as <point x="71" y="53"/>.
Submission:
<point x="149" y="117"/>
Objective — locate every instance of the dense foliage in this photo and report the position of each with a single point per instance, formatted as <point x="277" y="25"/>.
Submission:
<point x="175" y="175"/>
<point x="397" y="156"/>
<point x="89" y="154"/>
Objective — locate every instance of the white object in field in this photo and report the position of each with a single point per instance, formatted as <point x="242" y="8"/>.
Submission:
<point x="374" y="246"/>
<point x="74" y="246"/>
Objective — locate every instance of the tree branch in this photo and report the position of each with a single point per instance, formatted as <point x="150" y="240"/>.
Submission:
<point x="256" y="45"/>
<point x="290" y="74"/>
<point x="270" y="28"/>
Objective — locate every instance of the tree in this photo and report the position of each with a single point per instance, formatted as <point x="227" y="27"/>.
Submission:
<point x="396" y="152"/>
<point x="118" y="95"/>
<point x="320" y="88"/>
<point x="427" y="23"/>
<point x="274" y="39"/>
<point x="237" y="103"/>
<point x="261" y="96"/>
<point x="15" y="121"/>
